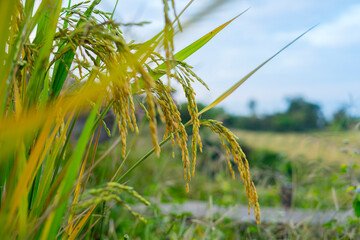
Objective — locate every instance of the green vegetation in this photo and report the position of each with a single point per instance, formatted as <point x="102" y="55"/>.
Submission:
<point x="59" y="65"/>
<point x="315" y="184"/>
<point x="300" y="115"/>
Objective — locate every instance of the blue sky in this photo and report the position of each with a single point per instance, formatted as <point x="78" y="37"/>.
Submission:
<point x="323" y="66"/>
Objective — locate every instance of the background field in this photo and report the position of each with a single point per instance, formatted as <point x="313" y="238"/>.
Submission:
<point x="315" y="168"/>
<point x="327" y="146"/>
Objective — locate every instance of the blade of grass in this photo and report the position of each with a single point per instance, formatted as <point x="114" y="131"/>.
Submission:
<point x="27" y="176"/>
<point x="48" y="25"/>
<point x="7" y="9"/>
<point x="58" y="159"/>
<point x="239" y="83"/>
<point x="26" y="27"/>
<point x="66" y="23"/>
<point x="79" y="184"/>
<point x="195" y="46"/>
<point x="54" y="221"/>
<point x="149" y="46"/>
<point x="48" y="172"/>
<point x="189" y="50"/>
<point x="112" y="14"/>
<point x="80" y="225"/>
<point x="62" y="65"/>
<point x="23" y="208"/>
<point x="128" y="153"/>
<point x="102" y="115"/>
<point x="143" y="159"/>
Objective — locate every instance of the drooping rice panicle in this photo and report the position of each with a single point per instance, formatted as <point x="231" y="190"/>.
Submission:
<point x="239" y="159"/>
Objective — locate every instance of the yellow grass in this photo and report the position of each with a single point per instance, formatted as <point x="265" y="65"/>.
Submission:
<point x="312" y="146"/>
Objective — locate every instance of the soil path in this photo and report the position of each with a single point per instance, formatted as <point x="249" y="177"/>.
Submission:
<point x="200" y="209"/>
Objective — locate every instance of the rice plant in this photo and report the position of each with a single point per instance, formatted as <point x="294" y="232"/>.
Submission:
<point x="57" y="63"/>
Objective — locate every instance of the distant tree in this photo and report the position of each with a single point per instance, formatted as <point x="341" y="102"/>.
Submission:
<point x="304" y="115"/>
<point x="300" y="115"/>
<point x="281" y="122"/>
<point x="340" y="120"/>
<point x="252" y="107"/>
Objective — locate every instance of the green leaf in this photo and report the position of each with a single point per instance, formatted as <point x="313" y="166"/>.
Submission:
<point x="187" y="51"/>
<point x="102" y="115"/>
<point x="344" y="168"/>
<point x="64" y="63"/>
<point x="195" y="46"/>
<point x="239" y="83"/>
<point x="6" y="12"/>
<point x="73" y="166"/>
<point x="47" y="25"/>
<point x="356" y="205"/>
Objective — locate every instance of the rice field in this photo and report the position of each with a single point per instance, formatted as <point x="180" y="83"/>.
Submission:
<point x="61" y="61"/>
<point x="331" y="147"/>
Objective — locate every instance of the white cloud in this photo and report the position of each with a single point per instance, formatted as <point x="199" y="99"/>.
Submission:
<point x="271" y="8"/>
<point x="343" y="31"/>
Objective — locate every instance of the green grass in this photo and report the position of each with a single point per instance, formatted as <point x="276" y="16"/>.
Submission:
<point x="315" y="181"/>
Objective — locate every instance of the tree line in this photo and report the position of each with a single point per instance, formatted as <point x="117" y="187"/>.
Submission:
<point x="300" y="115"/>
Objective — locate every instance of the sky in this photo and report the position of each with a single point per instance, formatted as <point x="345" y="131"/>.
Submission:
<point x="323" y="66"/>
